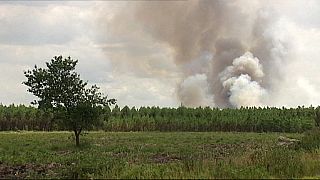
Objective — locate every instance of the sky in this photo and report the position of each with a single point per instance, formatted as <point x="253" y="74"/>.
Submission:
<point x="164" y="53"/>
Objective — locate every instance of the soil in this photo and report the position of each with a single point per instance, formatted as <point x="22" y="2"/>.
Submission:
<point x="22" y="171"/>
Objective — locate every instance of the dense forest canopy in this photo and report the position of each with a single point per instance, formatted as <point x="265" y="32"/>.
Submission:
<point x="251" y="119"/>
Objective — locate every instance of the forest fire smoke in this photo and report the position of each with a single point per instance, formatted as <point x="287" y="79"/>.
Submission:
<point x="230" y="53"/>
<point x="241" y="81"/>
<point x="218" y="28"/>
<point x="194" y="91"/>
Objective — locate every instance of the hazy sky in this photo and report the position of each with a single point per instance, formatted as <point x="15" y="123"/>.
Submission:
<point x="164" y="53"/>
<point x="33" y="32"/>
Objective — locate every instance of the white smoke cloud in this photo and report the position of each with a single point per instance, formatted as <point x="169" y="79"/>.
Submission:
<point x="241" y="81"/>
<point x="245" y="64"/>
<point x="244" y="92"/>
<point x="194" y="91"/>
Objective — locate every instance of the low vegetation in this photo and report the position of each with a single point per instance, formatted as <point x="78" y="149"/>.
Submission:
<point x="154" y="155"/>
<point x="311" y="139"/>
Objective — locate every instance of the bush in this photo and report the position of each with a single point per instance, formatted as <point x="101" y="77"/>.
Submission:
<point x="283" y="162"/>
<point x="311" y="139"/>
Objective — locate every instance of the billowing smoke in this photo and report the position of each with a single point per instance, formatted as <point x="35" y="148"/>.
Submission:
<point x="244" y="92"/>
<point x="229" y="53"/>
<point x="218" y="28"/>
<point x="245" y="64"/>
<point x="194" y="91"/>
<point x="241" y="81"/>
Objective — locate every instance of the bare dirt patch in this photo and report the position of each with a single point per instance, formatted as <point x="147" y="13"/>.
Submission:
<point x="164" y="158"/>
<point x="22" y="171"/>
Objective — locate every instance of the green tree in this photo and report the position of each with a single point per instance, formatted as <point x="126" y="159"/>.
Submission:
<point x="317" y="117"/>
<point x="125" y="112"/>
<point x="60" y="89"/>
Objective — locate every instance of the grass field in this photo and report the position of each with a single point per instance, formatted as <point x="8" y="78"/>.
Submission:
<point x="153" y="155"/>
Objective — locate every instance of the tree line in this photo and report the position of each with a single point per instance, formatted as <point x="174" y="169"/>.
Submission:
<point x="249" y="119"/>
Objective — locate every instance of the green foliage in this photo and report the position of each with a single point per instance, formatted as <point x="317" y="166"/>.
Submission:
<point x="60" y="89"/>
<point x="207" y="119"/>
<point x="162" y="119"/>
<point x="21" y="117"/>
<point x="311" y="139"/>
<point x="57" y="85"/>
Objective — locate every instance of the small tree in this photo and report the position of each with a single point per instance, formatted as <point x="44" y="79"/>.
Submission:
<point x="60" y="89"/>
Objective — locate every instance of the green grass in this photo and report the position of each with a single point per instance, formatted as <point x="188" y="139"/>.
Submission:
<point x="153" y="155"/>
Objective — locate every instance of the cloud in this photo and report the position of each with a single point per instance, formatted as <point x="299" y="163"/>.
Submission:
<point x="50" y="23"/>
<point x="12" y="90"/>
<point x="33" y="33"/>
<point x="133" y="91"/>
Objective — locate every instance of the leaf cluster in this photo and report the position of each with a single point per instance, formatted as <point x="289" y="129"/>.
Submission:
<point x="60" y="89"/>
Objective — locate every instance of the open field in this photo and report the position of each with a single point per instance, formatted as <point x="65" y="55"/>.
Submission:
<point x="153" y="155"/>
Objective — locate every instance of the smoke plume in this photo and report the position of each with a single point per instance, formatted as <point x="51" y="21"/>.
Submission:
<point x="194" y="91"/>
<point x="230" y="53"/>
<point x="240" y="81"/>
<point x="218" y="28"/>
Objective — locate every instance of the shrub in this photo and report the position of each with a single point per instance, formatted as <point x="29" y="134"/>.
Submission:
<point x="283" y="162"/>
<point x="311" y="139"/>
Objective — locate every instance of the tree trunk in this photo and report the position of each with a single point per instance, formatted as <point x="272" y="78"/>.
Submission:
<point x="77" y="135"/>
